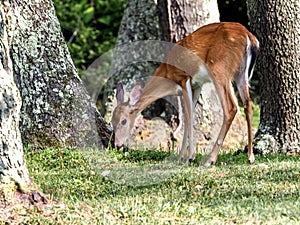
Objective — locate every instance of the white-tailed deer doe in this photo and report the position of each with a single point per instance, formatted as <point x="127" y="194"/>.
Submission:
<point x="226" y="52"/>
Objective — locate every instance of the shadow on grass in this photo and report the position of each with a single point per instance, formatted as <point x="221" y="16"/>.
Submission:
<point x="135" y="172"/>
<point x="238" y="157"/>
<point x="151" y="182"/>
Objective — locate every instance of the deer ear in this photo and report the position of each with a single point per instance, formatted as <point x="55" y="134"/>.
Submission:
<point x="135" y="95"/>
<point x="120" y="94"/>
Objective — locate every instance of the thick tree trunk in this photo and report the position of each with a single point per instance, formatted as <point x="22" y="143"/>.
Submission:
<point x="180" y="18"/>
<point x="56" y="110"/>
<point x="140" y="23"/>
<point x="12" y="165"/>
<point x="276" y="24"/>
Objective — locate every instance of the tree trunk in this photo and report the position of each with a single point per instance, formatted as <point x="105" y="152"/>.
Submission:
<point x="12" y="165"/>
<point x="179" y="18"/>
<point x="140" y="23"/>
<point x="276" y="24"/>
<point x="56" y="110"/>
<point x="15" y="184"/>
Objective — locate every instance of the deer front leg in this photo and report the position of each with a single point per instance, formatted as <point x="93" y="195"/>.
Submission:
<point x="188" y="121"/>
<point x="183" y="150"/>
<point x="188" y="97"/>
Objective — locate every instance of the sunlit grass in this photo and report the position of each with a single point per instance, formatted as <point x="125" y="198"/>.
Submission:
<point x="116" y="187"/>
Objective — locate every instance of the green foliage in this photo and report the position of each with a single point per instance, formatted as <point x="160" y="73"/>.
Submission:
<point x="232" y="192"/>
<point x="90" y="27"/>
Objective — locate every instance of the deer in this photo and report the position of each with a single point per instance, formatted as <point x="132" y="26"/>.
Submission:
<point x="226" y="52"/>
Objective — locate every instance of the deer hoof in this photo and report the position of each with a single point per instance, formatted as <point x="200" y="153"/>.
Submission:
<point x="251" y="159"/>
<point x="209" y="163"/>
<point x="191" y="160"/>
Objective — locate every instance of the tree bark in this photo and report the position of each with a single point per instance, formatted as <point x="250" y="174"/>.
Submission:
<point x="276" y="24"/>
<point x="56" y="110"/>
<point x="13" y="169"/>
<point x="180" y="18"/>
<point x="140" y="23"/>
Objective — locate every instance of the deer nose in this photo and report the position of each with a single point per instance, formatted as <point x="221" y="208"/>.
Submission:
<point x="118" y="143"/>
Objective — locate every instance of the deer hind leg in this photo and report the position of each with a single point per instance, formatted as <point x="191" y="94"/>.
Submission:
<point x="229" y="105"/>
<point x="245" y="96"/>
<point x="183" y="154"/>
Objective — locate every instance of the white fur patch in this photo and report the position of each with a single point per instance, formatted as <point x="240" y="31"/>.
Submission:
<point x="233" y="95"/>
<point x="190" y="93"/>
<point x="191" y="128"/>
<point x="248" y="61"/>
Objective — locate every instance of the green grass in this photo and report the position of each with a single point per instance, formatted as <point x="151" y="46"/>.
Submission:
<point x="151" y="187"/>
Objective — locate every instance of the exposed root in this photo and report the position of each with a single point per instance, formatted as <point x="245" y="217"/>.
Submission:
<point x="13" y="210"/>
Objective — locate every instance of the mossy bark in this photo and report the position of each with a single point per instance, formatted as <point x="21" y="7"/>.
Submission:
<point x="13" y="170"/>
<point x="56" y="109"/>
<point x="276" y="24"/>
<point x="140" y="23"/>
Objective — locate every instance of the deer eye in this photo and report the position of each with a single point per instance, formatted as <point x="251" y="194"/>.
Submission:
<point x="123" y="122"/>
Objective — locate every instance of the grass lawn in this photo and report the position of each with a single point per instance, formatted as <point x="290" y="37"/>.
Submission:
<point x="151" y="187"/>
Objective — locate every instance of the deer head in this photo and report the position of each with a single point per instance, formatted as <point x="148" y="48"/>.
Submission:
<point x="125" y="113"/>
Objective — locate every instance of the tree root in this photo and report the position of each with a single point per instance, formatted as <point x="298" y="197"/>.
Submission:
<point x="14" y="207"/>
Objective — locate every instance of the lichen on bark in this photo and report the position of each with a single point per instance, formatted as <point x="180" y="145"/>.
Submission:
<point x="13" y="169"/>
<point x="56" y="110"/>
<point x="277" y="26"/>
